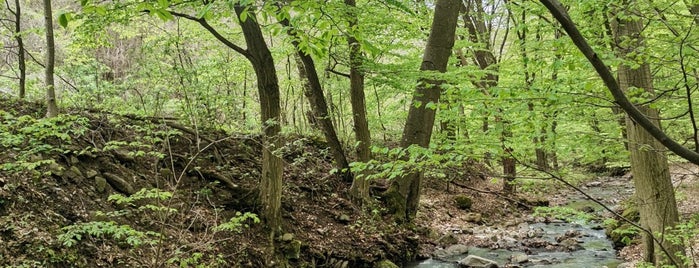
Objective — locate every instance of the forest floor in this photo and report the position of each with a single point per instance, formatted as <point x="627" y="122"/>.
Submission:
<point x="58" y="205"/>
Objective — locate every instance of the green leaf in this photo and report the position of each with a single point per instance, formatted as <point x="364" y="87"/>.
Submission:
<point x="63" y="20"/>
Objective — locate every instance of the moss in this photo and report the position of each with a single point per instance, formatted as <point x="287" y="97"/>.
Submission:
<point x="463" y="202"/>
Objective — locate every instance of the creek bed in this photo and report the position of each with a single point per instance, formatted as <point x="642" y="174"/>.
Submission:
<point x="555" y="244"/>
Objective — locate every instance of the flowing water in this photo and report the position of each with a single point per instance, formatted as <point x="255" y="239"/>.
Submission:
<point x="591" y="248"/>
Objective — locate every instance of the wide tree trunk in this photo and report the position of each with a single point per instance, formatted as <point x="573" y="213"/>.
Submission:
<point x="655" y="195"/>
<point x="404" y="194"/>
<point x="268" y="88"/>
<point x="51" y="107"/>
<point x="360" y="186"/>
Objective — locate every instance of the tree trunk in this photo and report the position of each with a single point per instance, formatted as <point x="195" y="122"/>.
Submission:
<point x="319" y="107"/>
<point x="360" y="186"/>
<point x="268" y="88"/>
<point x="404" y="195"/>
<point x="655" y="194"/>
<point x="51" y="107"/>
<point x="21" y="62"/>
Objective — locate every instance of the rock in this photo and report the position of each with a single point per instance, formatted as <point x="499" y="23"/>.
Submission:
<point x="100" y="184"/>
<point x="447" y="239"/>
<point x="292" y="250"/>
<point x="450" y="252"/>
<point x="119" y="183"/>
<point x="344" y="218"/>
<point x="74" y="160"/>
<point x="385" y="264"/>
<point x="287" y="237"/>
<point x="463" y="202"/>
<point x="519" y="258"/>
<point x="473" y="217"/>
<point x="56" y="169"/>
<point x="594" y="184"/>
<point x="571" y="244"/>
<point x="91" y="173"/>
<point x="74" y="174"/>
<point x="477" y="262"/>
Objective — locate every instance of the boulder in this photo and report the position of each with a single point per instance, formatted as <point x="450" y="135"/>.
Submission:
<point x="450" y="252"/>
<point x="463" y="202"/>
<point x="473" y="261"/>
<point x="519" y="258"/>
<point x="473" y="217"/>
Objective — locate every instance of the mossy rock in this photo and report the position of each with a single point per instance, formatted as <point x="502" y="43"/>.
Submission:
<point x="623" y="235"/>
<point x="631" y="213"/>
<point x="463" y="202"/>
<point x="385" y="264"/>
<point x="292" y="250"/>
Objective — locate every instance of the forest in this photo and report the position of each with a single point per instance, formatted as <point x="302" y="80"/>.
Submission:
<point x="374" y="133"/>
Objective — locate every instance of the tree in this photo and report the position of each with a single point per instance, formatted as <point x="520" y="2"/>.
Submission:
<point x="360" y="186"/>
<point x="561" y="15"/>
<point x="260" y="57"/>
<point x="404" y="194"/>
<point x="319" y="107"/>
<point x="21" y="62"/>
<point x="655" y="195"/>
<point x="51" y="107"/>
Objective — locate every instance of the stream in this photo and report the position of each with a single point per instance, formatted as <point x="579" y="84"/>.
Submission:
<point x="555" y="244"/>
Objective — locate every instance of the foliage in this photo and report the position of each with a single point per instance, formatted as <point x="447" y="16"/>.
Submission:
<point x="237" y="223"/>
<point x="31" y="141"/>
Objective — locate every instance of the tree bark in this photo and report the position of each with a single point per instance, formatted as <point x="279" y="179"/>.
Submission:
<point x="51" y="107"/>
<point x="268" y="87"/>
<point x="360" y="185"/>
<point x="404" y="194"/>
<point x="655" y="196"/>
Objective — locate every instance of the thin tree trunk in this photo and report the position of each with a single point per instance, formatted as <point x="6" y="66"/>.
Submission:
<point x="21" y="62"/>
<point x="655" y="196"/>
<point x="404" y="195"/>
<point x="51" y="107"/>
<point x="316" y="98"/>
<point x="360" y="186"/>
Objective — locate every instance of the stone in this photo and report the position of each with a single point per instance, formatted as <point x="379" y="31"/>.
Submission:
<point x="473" y="217"/>
<point x="119" y="183"/>
<point x="571" y="244"/>
<point x="56" y="169"/>
<point x="447" y="239"/>
<point x="100" y="184"/>
<point x="74" y="174"/>
<point x="463" y="202"/>
<point x="91" y="173"/>
<point x="594" y="184"/>
<point x="473" y="261"/>
<point x="292" y="250"/>
<point x="450" y="252"/>
<point x="385" y="264"/>
<point x="287" y="237"/>
<point x="519" y="258"/>
<point x="344" y="218"/>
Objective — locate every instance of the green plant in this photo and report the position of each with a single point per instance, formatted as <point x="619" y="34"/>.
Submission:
<point x="237" y="223"/>
<point x="103" y="230"/>
<point x="31" y="141"/>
